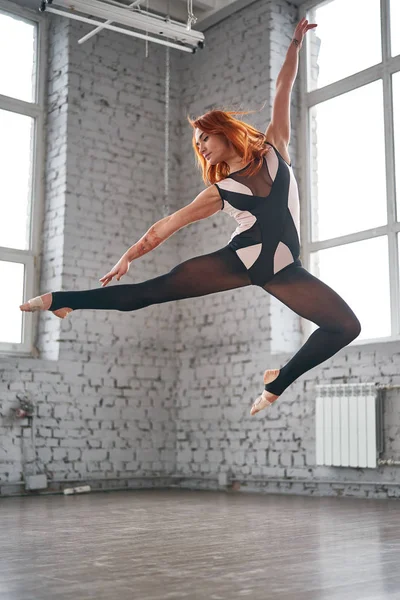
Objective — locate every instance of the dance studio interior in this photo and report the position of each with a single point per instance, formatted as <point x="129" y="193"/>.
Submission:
<point x="131" y="465"/>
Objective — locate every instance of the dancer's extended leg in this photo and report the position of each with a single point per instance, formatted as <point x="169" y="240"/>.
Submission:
<point x="314" y="300"/>
<point x="216" y="272"/>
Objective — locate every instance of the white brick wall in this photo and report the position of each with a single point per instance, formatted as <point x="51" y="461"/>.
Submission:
<point x="166" y="389"/>
<point x="226" y="339"/>
<point x="104" y="397"/>
<point x="222" y="358"/>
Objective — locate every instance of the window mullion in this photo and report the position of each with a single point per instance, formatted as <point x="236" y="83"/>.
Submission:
<point x="358" y="236"/>
<point x="38" y="182"/>
<point x="343" y="86"/>
<point x="15" y="255"/>
<point x="390" y="169"/>
<point x="29" y="109"/>
<point x="357" y="80"/>
<point x="385" y="31"/>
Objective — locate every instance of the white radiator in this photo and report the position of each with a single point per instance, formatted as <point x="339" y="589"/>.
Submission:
<point x="349" y="425"/>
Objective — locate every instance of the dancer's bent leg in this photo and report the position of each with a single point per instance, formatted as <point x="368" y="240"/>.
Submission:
<point x="216" y="272"/>
<point x="314" y="300"/>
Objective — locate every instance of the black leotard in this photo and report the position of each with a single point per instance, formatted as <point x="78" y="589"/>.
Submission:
<point x="266" y="206"/>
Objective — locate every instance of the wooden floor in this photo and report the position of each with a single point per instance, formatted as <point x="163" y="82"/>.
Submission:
<point x="159" y="545"/>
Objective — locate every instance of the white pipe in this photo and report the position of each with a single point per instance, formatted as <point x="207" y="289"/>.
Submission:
<point x="118" y="29"/>
<point x="94" y="31"/>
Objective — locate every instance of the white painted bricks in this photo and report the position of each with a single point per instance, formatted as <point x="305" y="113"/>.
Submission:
<point x="166" y="389"/>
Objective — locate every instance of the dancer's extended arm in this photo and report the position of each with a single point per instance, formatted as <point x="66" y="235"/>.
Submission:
<point x="207" y="203"/>
<point x="278" y="131"/>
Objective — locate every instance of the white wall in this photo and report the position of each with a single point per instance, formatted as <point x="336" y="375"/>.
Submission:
<point x="166" y="389"/>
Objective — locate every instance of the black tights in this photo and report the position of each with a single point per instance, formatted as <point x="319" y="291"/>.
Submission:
<point x="220" y="271"/>
<point x="313" y="300"/>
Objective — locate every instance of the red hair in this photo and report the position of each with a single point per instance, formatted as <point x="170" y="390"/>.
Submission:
<point x="247" y="141"/>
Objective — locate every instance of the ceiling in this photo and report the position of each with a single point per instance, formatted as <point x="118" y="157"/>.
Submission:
<point x="178" y="8"/>
<point x="208" y="12"/>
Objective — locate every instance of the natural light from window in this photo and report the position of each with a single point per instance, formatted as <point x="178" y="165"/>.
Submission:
<point x="349" y="270"/>
<point x="12" y="277"/>
<point x="396" y="119"/>
<point x="348" y="179"/>
<point x="18" y="52"/>
<point x="348" y="168"/>
<point x="350" y="31"/>
<point x="394" y="29"/>
<point x="18" y="45"/>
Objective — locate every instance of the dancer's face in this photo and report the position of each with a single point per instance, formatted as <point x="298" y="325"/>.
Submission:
<point x="213" y="146"/>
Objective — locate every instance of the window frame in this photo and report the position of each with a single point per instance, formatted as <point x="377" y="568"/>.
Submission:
<point x="382" y="71"/>
<point x="37" y="110"/>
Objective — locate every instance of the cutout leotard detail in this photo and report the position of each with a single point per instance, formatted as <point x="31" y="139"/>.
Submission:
<point x="266" y="208"/>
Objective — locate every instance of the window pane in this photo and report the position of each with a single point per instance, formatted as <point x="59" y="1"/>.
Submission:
<point x="18" y="52"/>
<point x="16" y="143"/>
<point x="348" y="180"/>
<point x="396" y="118"/>
<point x="395" y="26"/>
<point x="358" y="272"/>
<point x="12" y="276"/>
<point x="347" y="40"/>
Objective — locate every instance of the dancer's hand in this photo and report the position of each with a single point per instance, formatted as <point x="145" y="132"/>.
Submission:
<point x="118" y="271"/>
<point x="301" y="30"/>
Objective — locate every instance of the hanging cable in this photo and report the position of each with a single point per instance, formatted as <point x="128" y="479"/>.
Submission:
<point x="191" y="20"/>
<point x="147" y="33"/>
<point x="166" y="209"/>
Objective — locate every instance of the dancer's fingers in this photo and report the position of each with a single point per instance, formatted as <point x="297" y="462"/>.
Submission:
<point x="108" y="276"/>
<point x="304" y="26"/>
<point x="105" y="280"/>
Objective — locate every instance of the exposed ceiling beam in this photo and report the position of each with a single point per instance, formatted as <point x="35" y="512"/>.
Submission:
<point x="204" y="4"/>
<point x="225" y="8"/>
<point x="222" y="11"/>
<point x="177" y="10"/>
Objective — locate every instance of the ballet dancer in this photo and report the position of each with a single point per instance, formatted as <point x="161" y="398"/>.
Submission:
<point x="248" y="176"/>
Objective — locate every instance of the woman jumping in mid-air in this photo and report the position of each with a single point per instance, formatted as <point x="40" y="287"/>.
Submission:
<point x="252" y="180"/>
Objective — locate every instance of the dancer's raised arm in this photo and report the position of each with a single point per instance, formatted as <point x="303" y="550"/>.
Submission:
<point x="278" y="131"/>
<point x="207" y="203"/>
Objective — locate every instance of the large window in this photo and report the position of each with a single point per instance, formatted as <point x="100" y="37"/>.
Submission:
<point x="351" y="125"/>
<point x="21" y="158"/>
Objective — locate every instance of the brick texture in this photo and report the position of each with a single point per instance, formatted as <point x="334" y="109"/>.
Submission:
<point x="165" y="390"/>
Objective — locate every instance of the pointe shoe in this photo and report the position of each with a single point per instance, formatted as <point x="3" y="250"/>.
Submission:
<point x="37" y="303"/>
<point x="260" y="403"/>
<point x="33" y="305"/>
<point x="266" y="398"/>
